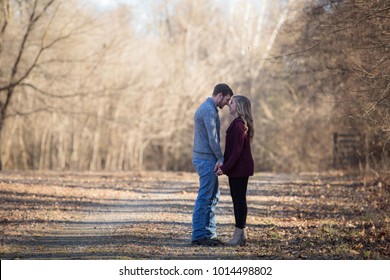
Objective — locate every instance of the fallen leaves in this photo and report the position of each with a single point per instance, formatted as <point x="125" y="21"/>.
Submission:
<point x="148" y="216"/>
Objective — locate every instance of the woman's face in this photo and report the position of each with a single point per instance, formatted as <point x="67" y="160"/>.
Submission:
<point x="232" y="106"/>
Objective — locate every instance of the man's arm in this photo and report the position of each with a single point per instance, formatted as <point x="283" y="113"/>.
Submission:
<point x="212" y="133"/>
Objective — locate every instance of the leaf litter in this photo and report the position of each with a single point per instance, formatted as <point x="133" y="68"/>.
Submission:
<point x="147" y="215"/>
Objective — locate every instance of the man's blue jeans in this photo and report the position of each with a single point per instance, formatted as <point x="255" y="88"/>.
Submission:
<point x="203" y="218"/>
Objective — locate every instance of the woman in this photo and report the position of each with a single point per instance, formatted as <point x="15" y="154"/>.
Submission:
<point x="238" y="162"/>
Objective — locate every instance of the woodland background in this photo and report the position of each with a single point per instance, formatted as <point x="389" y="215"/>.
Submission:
<point x="83" y="88"/>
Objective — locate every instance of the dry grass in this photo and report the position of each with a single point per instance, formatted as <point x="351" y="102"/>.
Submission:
<point x="148" y="216"/>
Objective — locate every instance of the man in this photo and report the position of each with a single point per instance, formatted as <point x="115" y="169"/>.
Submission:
<point x="207" y="158"/>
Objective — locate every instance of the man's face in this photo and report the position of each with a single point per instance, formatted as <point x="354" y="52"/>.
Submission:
<point x="224" y="100"/>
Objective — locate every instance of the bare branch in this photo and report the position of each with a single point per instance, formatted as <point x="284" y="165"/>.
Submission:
<point x="379" y="99"/>
<point x="371" y="15"/>
<point x="291" y="54"/>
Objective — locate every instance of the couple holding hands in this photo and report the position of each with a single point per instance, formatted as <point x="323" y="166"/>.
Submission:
<point x="209" y="162"/>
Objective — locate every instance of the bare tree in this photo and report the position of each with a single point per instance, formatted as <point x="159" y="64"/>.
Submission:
<point x="333" y="67"/>
<point x="27" y="37"/>
<point x="90" y="92"/>
<point x="50" y="73"/>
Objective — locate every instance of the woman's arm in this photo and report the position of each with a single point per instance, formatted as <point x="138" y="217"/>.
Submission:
<point x="234" y="144"/>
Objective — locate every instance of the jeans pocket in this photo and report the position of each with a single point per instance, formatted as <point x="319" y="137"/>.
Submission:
<point x="203" y="167"/>
<point x="199" y="166"/>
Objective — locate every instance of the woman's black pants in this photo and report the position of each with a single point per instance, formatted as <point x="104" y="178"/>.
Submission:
<point x="238" y="187"/>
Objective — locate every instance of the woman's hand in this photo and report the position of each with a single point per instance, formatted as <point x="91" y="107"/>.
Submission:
<point x="219" y="172"/>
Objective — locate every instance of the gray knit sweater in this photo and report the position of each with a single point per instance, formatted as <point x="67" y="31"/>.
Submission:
<point x="206" y="132"/>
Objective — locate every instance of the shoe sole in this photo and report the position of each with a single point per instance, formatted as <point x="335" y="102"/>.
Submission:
<point x="211" y="244"/>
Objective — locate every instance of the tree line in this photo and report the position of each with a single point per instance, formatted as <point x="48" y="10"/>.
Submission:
<point x="83" y="89"/>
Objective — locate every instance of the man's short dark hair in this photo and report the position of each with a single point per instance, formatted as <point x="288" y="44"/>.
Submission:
<point x="222" y="88"/>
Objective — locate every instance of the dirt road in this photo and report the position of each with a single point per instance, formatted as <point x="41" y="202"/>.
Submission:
<point x="148" y="216"/>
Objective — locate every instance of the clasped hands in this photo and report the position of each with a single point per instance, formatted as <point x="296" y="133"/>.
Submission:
<point x="217" y="169"/>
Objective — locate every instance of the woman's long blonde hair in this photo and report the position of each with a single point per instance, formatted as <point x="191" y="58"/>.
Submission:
<point x="245" y="112"/>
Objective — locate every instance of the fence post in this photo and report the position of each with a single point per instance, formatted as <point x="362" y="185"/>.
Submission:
<point x="335" y="149"/>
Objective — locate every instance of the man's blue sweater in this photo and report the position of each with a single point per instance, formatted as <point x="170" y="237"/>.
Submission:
<point x="206" y="132"/>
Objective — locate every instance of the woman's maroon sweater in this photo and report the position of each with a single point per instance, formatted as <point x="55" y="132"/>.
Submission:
<point x="238" y="161"/>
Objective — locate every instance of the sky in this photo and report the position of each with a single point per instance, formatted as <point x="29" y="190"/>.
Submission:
<point x="108" y="3"/>
<point x="142" y="8"/>
<point x="139" y="7"/>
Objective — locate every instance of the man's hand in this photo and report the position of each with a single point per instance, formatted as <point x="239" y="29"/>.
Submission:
<point x="219" y="172"/>
<point x="217" y="166"/>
